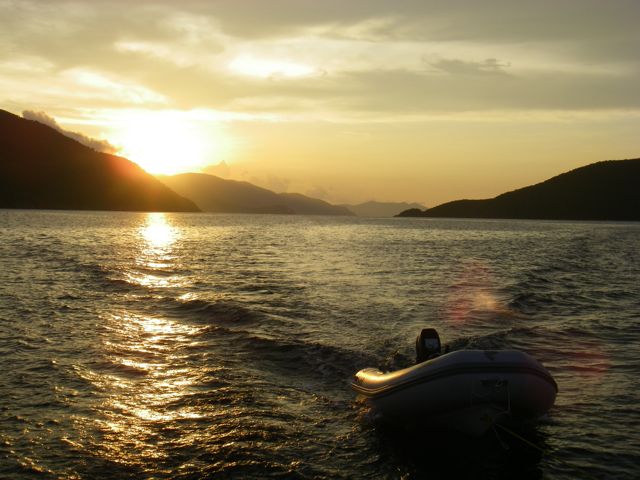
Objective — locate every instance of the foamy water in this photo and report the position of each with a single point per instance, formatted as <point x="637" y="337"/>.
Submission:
<point x="195" y="345"/>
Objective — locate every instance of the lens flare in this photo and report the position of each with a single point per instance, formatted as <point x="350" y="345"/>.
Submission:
<point x="473" y="293"/>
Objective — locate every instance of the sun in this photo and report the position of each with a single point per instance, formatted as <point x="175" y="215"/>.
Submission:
<point x="165" y="142"/>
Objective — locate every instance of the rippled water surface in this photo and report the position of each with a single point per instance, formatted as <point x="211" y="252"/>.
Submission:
<point x="222" y="346"/>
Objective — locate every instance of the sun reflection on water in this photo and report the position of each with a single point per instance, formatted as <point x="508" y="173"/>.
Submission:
<point x="142" y="373"/>
<point x="143" y="379"/>
<point x="157" y="259"/>
<point x="158" y="233"/>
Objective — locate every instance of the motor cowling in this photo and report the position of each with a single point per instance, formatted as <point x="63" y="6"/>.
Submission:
<point x="427" y="345"/>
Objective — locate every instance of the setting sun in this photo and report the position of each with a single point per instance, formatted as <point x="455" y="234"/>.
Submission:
<point x="164" y="142"/>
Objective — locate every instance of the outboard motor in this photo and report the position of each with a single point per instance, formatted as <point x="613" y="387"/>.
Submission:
<point x="427" y="345"/>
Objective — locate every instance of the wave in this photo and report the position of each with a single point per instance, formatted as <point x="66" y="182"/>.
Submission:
<point x="530" y="302"/>
<point x="116" y="367"/>
<point x="218" y="311"/>
<point x="309" y="360"/>
<point x="502" y="339"/>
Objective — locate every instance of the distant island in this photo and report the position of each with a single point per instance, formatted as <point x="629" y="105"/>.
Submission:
<point x="608" y="190"/>
<point x="381" y="209"/>
<point x="215" y="194"/>
<point x="44" y="169"/>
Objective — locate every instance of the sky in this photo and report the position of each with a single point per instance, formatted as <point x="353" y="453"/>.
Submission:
<point x="349" y="101"/>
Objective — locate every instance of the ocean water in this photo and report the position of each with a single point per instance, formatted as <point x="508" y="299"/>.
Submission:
<point x="222" y="346"/>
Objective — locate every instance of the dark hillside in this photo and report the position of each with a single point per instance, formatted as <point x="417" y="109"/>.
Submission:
<point x="41" y="168"/>
<point x="215" y="194"/>
<point x="608" y="190"/>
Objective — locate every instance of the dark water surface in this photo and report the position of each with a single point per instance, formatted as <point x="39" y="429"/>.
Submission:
<point x="222" y="346"/>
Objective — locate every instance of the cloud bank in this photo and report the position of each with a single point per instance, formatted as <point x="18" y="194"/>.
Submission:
<point x="242" y="56"/>
<point x="98" y="145"/>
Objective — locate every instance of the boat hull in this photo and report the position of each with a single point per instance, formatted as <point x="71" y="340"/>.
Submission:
<point x="466" y="390"/>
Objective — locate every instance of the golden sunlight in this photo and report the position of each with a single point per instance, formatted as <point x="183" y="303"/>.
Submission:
<point x="164" y="142"/>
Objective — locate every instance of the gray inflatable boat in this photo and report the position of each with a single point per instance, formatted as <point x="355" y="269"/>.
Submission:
<point x="467" y="390"/>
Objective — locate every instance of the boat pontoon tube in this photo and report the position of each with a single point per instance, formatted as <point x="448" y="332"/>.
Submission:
<point x="468" y="390"/>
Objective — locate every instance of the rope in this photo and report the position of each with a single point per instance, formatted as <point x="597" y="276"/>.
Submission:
<point x="520" y="437"/>
<point x="504" y="445"/>
<point x="583" y="474"/>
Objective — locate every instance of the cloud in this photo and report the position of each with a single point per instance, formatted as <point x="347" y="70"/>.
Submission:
<point x="42" y="117"/>
<point x="371" y="55"/>
<point x="490" y="66"/>
<point x="98" y="85"/>
<point x="415" y="92"/>
<point x="219" y="170"/>
<point x="271" y="182"/>
<point x="317" y="191"/>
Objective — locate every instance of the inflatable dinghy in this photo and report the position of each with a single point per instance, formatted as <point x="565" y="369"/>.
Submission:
<point x="467" y="390"/>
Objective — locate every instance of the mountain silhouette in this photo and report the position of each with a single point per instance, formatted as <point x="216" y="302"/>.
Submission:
<point x="41" y="168"/>
<point x="381" y="209"/>
<point x="215" y="194"/>
<point x="608" y="190"/>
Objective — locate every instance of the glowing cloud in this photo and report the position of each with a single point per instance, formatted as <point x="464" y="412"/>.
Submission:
<point x="122" y="90"/>
<point x="266" y="68"/>
<point x="42" y="117"/>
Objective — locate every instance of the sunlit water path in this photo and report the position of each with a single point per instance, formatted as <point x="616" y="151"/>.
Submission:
<point x="222" y="346"/>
